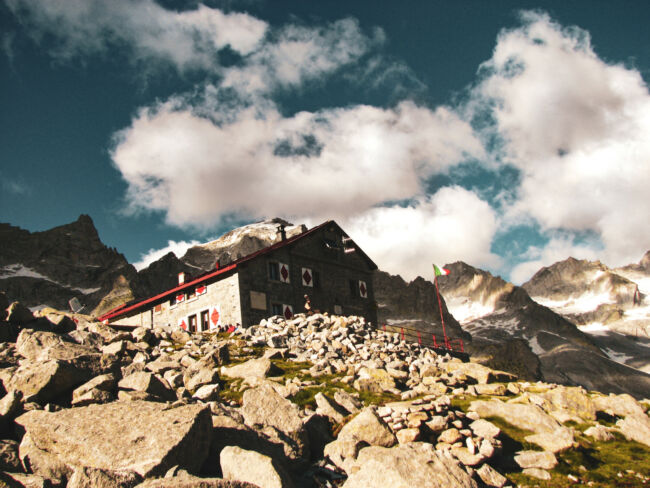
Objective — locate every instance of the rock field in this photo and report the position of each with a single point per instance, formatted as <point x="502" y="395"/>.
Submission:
<point x="316" y="401"/>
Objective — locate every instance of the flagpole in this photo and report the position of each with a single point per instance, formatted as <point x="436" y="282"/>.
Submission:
<point x="442" y="319"/>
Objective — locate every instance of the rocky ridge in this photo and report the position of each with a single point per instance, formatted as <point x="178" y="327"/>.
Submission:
<point x="69" y="261"/>
<point x="511" y="331"/>
<point x="314" y="401"/>
<point x="612" y="306"/>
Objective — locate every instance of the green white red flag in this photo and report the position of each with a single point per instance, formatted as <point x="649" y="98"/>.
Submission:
<point x="440" y="271"/>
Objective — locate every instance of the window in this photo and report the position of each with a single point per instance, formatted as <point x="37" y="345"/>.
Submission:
<point x="172" y="301"/>
<point x="274" y="271"/>
<point x="158" y="308"/>
<point x="276" y="309"/>
<point x="191" y="295"/>
<point x="316" y="280"/>
<point x="192" y="322"/>
<point x="205" y="320"/>
<point x="279" y="272"/>
<point x="354" y="288"/>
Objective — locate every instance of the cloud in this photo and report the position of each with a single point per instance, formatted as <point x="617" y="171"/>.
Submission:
<point x="453" y="224"/>
<point x="177" y="247"/>
<point x="328" y="164"/>
<point x="576" y="127"/>
<point x="559" y="248"/>
<point x="187" y="39"/>
<point x="295" y="54"/>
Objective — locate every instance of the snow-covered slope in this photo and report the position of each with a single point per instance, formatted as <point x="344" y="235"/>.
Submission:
<point x="611" y="305"/>
<point x="496" y="313"/>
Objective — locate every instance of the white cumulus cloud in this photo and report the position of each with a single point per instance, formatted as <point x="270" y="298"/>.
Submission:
<point x="453" y="224"/>
<point x="329" y="164"/>
<point x="577" y="128"/>
<point x="186" y="39"/>
<point x="177" y="247"/>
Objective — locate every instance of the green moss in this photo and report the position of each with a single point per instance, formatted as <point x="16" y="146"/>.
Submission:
<point x="230" y="389"/>
<point x="598" y="463"/>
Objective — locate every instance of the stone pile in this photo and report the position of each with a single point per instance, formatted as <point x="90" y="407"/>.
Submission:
<point x="86" y="405"/>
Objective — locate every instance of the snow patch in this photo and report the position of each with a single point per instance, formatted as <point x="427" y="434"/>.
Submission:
<point x="534" y="345"/>
<point x="617" y="356"/>
<point x="594" y="328"/>
<point x="465" y="311"/>
<point x="18" y="270"/>
<point x="587" y="302"/>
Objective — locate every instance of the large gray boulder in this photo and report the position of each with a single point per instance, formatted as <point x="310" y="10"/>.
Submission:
<point x="408" y="465"/>
<point x="42" y="382"/>
<point x="250" y="466"/>
<point x="147" y="383"/>
<point x="264" y="407"/>
<point x="367" y="428"/>
<point x="253" y="368"/>
<point x="43" y="346"/>
<point x="524" y="416"/>
<point x="145" y="438"/>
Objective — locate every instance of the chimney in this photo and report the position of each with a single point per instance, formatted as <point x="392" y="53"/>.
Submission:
<point x="282" y="232"/>
<point x="181" y="278"/>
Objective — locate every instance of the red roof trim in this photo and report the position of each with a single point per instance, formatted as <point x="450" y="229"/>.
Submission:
<point x="211" y="274"/>
<point x="123" y="308"/>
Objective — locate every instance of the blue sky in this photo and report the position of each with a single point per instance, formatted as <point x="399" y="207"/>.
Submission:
<point x="509" y="135"/>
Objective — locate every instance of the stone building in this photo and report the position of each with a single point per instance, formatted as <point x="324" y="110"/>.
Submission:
<point x="322" y="263"/>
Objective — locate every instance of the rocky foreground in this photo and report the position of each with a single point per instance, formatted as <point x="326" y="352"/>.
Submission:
<point x="316" y="401"/>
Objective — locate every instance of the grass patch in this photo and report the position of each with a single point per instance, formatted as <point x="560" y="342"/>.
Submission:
<point x="230" y="389"/>
<point x="597" y="464"/>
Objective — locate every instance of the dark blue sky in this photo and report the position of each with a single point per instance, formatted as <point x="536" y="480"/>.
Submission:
<point x="69" y="84"/>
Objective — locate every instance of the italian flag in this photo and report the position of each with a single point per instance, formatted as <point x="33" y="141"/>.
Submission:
<point x="440" y="271"/>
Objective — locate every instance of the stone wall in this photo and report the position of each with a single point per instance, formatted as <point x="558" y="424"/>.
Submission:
<point x="222" y="295"/>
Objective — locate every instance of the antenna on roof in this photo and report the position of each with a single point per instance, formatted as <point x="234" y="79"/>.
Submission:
<point x="283" y="233"/>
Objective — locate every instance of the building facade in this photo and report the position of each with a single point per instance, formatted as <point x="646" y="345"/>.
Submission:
<point x="322" y="263"/>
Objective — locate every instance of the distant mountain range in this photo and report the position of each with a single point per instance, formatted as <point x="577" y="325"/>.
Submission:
<point x="575" y="322"/>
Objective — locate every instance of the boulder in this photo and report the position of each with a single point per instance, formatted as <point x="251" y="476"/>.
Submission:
<point x="374" y="380"/>
<point x="600" y="433"/>
<point x="18" y="314"/>
<point x="367" y="428"/>
<point x="478" y="372"/>
<point x="491" y="477"/>
<point x="347" y="401"/>
<point x="187" y="481"/>
<point x="207" y="393"/>
<point x="9" y="458"/>
<point x="250" y="466"/>
<point x="85" y="477"/>
<point x="620" y="405"/>
<point x="485" y="429"/>
<point x="255" y="368"/>
<point x="406" y="466"/>
<point x="524" y="416"/>
<point x="573" y="400"/>
<point x="329" y="408"/>
<point x="43" y="346"/>
<point x="536" y="459"/>
<point x="559" y="440"/>
<point x="636" y="428"/>
<point x="263" y="406"/>
<point x="540" y="474"/>
<point x="145" y="438"/>
<point x="44" y="381"/>
<point x="147" y="383"/>
<point x="98" y="390"/>
<point x="11" y="404"/>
